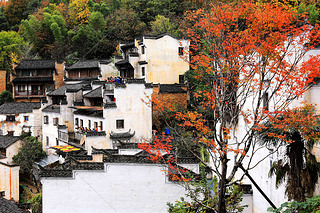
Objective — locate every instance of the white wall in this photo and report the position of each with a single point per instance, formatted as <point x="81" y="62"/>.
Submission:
<point x="17" y="125"/>
<point x="137" y="115"/>
<point x="134" y="188"/>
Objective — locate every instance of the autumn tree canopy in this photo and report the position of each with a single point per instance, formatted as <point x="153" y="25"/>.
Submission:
<point x="249" y="60"/>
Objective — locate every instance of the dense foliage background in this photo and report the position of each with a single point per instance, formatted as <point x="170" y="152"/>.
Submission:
<point x="91" y="29"/>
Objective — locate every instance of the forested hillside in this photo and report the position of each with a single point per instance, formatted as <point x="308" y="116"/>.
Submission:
<point x="91" y="29"/>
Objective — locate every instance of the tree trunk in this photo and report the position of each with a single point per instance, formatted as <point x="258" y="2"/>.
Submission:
<point x="222" y="185"/>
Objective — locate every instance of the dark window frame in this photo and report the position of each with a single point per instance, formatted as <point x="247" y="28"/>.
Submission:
<point x="180" y="51"/>
<point x="56" y="121"/>
<point x="143" y="71"/>
<point x="120" y="124"/>
<point x="11" y="118"/>
<point x="46" y="119"/>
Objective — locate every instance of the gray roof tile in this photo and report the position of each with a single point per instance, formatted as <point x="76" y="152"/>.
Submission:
<point x="171" y="88"/>
<point x="7" y="206"/>
<point x="18" y="107"/>
<point x="84" y="65"/>
<point x="36" y="64"/>
<point x="6" y="141"/>
<point x="96" y="93"/>
<point x="52" y="108"/>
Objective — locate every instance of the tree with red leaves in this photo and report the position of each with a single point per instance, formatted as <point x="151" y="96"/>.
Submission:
<point x="249" y="62"/>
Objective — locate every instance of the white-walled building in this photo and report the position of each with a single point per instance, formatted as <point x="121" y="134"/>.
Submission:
<point x="265" y="156"/>
<point x="157" y="59"/>
<point x="20" y="117"/>
<point x="113" y="183"/>
<point x="9" y="171"/>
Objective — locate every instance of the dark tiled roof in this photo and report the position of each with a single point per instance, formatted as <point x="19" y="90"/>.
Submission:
<point x="171" y="88"/>
<point x="33" y="79"/>
<point x="142" y="62"/>
<point x="136" y="81"/>
<point x="160" y="36"/>
<point x="82" y="79"/>
<point x="52" y="108"/>
<point x="110" y="105"/>
<point x="84" y="65"/>
<point x="89" y="112"/>
<point x="36" y="64"/>
<point x="65" y="170"/>
<point x="134" y="54"/>
<point x="96" y="93"/>
<point x="123" y="135"/>
<point x="93" y="134"/>
<point x="68" y="88"/>
<point x="7" y="206"/>
<point x="18" y="107"/>
<point x="125" y="61"/>
<point x="6" y="141"/>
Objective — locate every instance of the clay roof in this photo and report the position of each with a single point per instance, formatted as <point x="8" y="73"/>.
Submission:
<point x="84" y="65"/>
<point x="36" y="64"/>
<point x="171" y="88"/>
<point x="19" y="107"/>
<point x="7" y="206"/>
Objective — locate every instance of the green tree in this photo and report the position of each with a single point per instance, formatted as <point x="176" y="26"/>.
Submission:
<point x="47" y="32"/>
<point x="313" y="13"/>
<point x="4" y="24"/>
<point x="311" y="205"/>
<point x="90" y="40"/>
<point x="30" y="152"/>
<point x="5" y="97"/>
<point x="124" y="24"/>
<point x="14" y="11"/>
<point x="11" y="44"/>
<point x="36" y="205"/>
<point x="147" y="10"/>
<point x="163" y="25"/>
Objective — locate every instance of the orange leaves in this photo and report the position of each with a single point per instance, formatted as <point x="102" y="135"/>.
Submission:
<point x="79" y="11"/>
<point x="301" y="119"/>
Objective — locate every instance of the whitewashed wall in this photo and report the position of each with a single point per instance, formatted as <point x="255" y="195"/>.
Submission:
<point x="122" y="188"/>
<point x="17" y="126"/>
<point x="164" y="63"/>
<point x="136" y="114"/>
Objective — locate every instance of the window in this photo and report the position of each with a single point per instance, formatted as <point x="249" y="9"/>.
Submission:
<point x="21" y="88"/>
<point x="142" y="49"/>
<point x="265" y="101"/>
<point x="101" y="126"/>
<point x="47" y="141"/>
<point x="76" y="122"/>
<point x="26" y="118"/>
<point x="10" y="133"/>
<point x="95" y="125"/>
<point x="119" y="124"/>
<point x="181" y="79"/>
<point x="46" y="119"/>
<point x="143" y="72"/>
<point x="55" y="121"/>
<point x="11" y="118"/>
<point x="81" y="122"/>
<point x="3" y="151"/>
<point x="89" y="124"/>
<point x="180" y="49"/>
